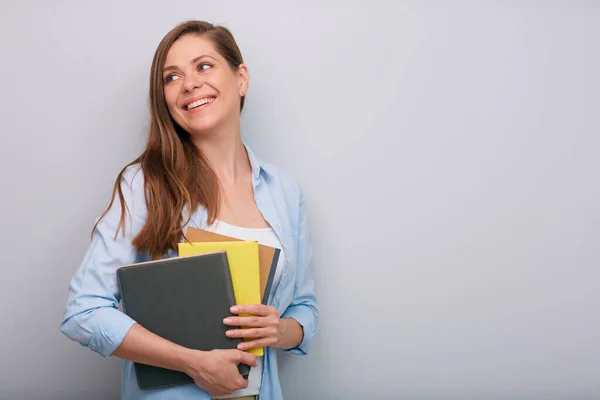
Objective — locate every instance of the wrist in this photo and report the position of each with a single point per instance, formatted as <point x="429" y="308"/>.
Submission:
<point x="283" y="333"/>
<point x="190" y="360"/>
<point x="281" y="329"/>
<point x="289" y="334"/>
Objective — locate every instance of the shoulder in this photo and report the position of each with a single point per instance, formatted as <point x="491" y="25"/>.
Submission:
<point x="278" y="179"/>
<point x="126" y="211"/>
<point x="131" y="189"/>
<point x="287" y="188"/>
<point x="287" y="192"/>
<point x="132" y="181"/>
<point x="283" y="179"/>
<point x="133" y="177"/>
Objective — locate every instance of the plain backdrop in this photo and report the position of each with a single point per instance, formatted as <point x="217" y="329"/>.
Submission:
<point x="449" y="152"/>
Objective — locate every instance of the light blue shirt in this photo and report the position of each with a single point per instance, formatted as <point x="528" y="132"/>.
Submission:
<point x="92" y="316"/>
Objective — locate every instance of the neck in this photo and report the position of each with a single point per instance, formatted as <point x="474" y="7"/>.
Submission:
<point x="226" y="153"/>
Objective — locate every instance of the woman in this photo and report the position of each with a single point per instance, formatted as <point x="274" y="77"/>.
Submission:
<point x="197" y="171"/>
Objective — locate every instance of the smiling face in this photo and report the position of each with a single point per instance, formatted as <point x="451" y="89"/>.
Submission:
<point x="202" y="90"/>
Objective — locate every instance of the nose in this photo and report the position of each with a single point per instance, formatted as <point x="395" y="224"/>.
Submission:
<point x="190" y="83"/>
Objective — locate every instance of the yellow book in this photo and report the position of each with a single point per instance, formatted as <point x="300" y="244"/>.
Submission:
<point x="243" y="258"/>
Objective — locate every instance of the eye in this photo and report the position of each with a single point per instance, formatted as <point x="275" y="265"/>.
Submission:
<point x="170" y="78"/>
<point x="204" y="66"/>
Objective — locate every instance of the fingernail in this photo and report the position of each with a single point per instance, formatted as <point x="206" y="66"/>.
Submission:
<point x="227" y="321"/>
<point x="241" y="346"/>
<point x="234" y="309"/>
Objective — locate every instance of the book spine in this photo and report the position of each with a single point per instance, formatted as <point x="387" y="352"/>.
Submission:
<point x="268" y="286"/>
<point x="230" y="291"/>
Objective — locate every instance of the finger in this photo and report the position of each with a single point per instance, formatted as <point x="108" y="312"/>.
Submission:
<point x="241" y="383"/>
<point x="252" y="322"/>
<point x="250" y="333"/>
<point x="236" y="383"/>
<point x="246" y="358"/>
<point x="254" y="309"/>
<point x="253" y="344"/>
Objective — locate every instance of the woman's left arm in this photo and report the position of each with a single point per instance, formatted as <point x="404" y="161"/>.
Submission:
<point x="303" y="309"/>
<point x="294" y="331"/>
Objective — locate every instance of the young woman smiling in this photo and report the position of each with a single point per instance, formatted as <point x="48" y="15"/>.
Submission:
<point x="197" y="171"/>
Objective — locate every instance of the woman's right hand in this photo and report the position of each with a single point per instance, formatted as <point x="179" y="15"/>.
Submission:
<point x="216" y="371"/>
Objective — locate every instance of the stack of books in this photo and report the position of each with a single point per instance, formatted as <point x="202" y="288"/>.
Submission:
<point x="185" y="299"/>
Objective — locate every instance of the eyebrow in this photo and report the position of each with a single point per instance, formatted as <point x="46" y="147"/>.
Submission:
<point x="194" y="61"/>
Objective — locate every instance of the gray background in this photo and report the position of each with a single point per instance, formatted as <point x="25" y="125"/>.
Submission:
<point x="449" y="154"/>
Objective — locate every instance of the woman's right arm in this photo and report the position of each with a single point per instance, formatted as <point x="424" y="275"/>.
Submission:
<point x="214" y="371"/>
<point x="92" y="318"/>
<point x="91" y="315"/>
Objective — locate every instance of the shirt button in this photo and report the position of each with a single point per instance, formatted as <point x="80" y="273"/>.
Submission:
<point x="289" y="260"/>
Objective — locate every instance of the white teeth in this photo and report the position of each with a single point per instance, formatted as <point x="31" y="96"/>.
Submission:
<point x="200" y="102"/>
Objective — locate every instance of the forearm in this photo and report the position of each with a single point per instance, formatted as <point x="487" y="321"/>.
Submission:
<point x="290" y="333"/>
<point x="142" y="346"/>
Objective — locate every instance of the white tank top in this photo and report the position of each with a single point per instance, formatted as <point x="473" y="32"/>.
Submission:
<point x="267" y="237"/>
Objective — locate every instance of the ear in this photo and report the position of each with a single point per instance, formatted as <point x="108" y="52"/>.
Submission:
<point x="243" y="79"/>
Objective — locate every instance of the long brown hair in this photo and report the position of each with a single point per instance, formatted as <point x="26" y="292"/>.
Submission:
<point x="176" y="174"/>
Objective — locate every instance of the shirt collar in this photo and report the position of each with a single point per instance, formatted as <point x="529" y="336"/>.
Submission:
<point x="257" y="165"/>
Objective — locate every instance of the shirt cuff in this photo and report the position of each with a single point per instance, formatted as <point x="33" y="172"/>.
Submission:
<point x="305" y="318"/>
<point x="111" y="331"/>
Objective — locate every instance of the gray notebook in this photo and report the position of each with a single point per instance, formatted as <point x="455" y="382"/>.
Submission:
<point x="184" y="300"/>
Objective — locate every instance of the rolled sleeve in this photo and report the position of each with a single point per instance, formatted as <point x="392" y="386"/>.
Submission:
<point x="306" y="318"/>
<point x="91" y="315"/>
<point x="102" y="330"/>
<point x="303" y="307"/>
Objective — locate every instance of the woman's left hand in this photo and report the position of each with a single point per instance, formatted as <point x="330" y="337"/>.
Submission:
<point x="262" y="324"/>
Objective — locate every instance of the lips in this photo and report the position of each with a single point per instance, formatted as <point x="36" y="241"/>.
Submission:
<point x="199" y="103"/>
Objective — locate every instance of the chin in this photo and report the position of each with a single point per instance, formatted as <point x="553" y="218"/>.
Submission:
<point x="201" y="125"/>
<point x="197" y="125"/>
<point x="200" y="129"/>
<point x="205" y="123"/>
